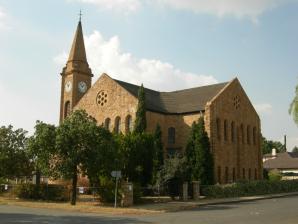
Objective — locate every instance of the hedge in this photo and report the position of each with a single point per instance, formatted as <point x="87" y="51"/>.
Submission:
<point x="42" y="192"/>
<point x="249" y="188"/>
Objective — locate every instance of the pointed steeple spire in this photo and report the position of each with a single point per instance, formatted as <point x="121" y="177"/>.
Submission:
<point x="78" y="52"/>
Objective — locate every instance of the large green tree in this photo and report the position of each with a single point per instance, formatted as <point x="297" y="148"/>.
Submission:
<point x="140" y="122"/>
<point x="75" y="139"/>
<point x="14" y="159"/>
<point x="136" y="152"/>
<point x="42" y="150"/>
<point x="158" y="156"/>
<point x="268" y="145"/>
<point x="293" y="110"/>
<point x="295" y="149"/>
<point x="198" y="154"/>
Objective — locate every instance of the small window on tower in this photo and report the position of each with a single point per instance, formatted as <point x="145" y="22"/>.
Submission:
<point x="66" y="109"/>
<point x="236" y="102"/>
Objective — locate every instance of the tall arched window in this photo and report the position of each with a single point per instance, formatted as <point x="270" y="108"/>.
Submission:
<point x="248" y="134"/>
<point x="117" y="127"/>
<point x="256" y="174"/>
<point x="232" y="131"/>
<point x="171" y="135"/>
<point x="219" y="175"/>
<point x="66" y="109"/>
<point x="128" y="124"/>
<point x="254" y="135"/>
<point x="242" y="133"/>
<point x="234" y="174"/>
<point x="218" y="128"/>
<point x="243" y="173"/>
<point x="107" y="123"/>
<point x="249" y="174"/>
<point x="226" y="130"/>
<point x="227" y="175"/>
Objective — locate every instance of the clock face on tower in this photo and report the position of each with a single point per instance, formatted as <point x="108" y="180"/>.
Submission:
<point x="68" y="86"/>
<point x="82" y="87"/>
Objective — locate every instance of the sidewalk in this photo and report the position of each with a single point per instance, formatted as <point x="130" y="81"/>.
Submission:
<point x="174" y="206"/>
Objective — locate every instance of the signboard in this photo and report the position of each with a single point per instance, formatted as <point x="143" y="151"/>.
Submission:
<point x="81" y="190"/>
<point x="116" y="174"/>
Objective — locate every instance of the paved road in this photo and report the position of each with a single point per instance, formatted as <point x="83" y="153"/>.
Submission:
<point x="272" y="211"/>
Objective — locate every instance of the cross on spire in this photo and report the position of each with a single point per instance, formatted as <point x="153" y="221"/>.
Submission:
<point x="80" y="14"/>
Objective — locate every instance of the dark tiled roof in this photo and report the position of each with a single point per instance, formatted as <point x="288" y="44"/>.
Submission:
<point x="285" y="160"/>
<point x="177" y="102"/>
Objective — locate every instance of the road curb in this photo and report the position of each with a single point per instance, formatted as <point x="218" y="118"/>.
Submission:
<point x="196" y="204"/>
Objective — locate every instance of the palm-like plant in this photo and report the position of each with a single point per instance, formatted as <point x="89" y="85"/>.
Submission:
<point x="293" y="110"/>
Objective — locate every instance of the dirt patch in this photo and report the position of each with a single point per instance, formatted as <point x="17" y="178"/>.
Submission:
<point x="89" y="207"/>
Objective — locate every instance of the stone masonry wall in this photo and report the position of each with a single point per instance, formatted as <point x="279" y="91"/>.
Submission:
<point x="238" y="157"/>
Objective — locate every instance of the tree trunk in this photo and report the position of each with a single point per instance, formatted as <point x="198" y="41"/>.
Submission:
<point x="74" y="187"/>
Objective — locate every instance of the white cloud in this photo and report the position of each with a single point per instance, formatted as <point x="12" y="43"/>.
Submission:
<point x="3" y="19"/>
<point x="106" y="56"/>
<point x="264" y="108"/>
<point x="220" y="8"/>
<point x="236" y="8"/>
<point x="117" y="5"/>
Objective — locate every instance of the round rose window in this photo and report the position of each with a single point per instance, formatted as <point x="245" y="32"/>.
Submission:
<point x="102" y="98"/>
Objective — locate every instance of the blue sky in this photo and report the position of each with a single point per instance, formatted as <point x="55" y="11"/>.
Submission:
<point x="166" y="44"/>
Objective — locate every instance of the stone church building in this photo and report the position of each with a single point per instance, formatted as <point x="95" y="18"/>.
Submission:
<point x="231" y="121"/>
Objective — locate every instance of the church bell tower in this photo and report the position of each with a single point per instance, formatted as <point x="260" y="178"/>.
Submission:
<point x="76" y="75"/>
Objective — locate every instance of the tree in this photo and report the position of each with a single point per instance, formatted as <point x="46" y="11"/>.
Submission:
<point x="14" y="159"/>
<point x="293" y="110"/>
<point x="141" y="123"/>
<point x="295" y="149"/>
<point x="99" y="154"/>
<point x="74" y="139"/>
<point x="41" y="147"/>
<point x="198" y="154"/>
<point x="158" y="158"/>
<point x="173" y="173"/>
<point x="268" y="145"/>
<point x="136" y="152"/>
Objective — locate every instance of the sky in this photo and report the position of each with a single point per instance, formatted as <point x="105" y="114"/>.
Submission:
<point x="165" y="44"/>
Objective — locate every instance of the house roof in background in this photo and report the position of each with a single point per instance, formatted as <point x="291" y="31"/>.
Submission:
<point x="285" y="160"/>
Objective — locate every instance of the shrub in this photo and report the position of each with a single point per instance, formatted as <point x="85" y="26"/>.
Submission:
<point x="106" y="191"/>
<point x="249" y="188"/>
<point x="42" y="192"/>
<point x="274" y="175"/>
<point x="137" y="193"/>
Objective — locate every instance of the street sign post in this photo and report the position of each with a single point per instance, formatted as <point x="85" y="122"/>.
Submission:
<point x="117" y="175"/>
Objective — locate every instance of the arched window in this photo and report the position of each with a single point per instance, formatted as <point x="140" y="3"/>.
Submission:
<point x="128" y="124"/>
<point x="256" y="174"/>
<point x="107" y="123"/>
<point x="218" y="128"/>
<point x="243" y="173"/>
<point x="242" y="133"/>
<point x="219" y="175"/>
<point x="226" y="130"/>
<point x="171" y="135"/>
<point x="227" y="175"/>
<point x="117" y="127"/>
<point x="254" y="135"/>
<point x="232" y="131"/>
<point x="234" y="174"/>
<point x="66" y="109"/>
<point x="249" y="174"/>
<point x="248" y="134"/>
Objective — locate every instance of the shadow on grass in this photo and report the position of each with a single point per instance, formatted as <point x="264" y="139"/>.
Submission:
<point x="10" y="218"/>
